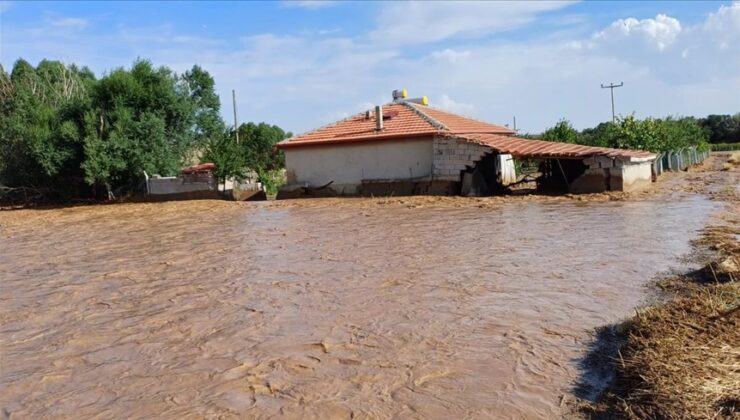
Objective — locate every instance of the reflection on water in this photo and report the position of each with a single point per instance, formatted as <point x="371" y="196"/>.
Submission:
<point x="322" y="310"/>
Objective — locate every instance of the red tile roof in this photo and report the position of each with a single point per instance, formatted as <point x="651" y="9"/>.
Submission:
<point x="539" y="149"/>
<point x="202" y="168"/>
<point x="406" y="120"/>
<point x="457" y="124"/>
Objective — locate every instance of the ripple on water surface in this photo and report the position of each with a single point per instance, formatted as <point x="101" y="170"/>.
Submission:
<point x="320" y="310"/>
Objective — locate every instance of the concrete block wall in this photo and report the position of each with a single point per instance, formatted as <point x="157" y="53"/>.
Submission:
<point x="605" y="173"/>
<point x="181" y="184"/>
<point x="450" y="156"/>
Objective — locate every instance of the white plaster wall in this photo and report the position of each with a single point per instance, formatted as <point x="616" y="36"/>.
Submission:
<point x="636" y="176"/>
<point x="349" y="164"/>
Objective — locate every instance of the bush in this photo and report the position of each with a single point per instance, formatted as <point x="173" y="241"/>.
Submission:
<point x="655" y="135"/>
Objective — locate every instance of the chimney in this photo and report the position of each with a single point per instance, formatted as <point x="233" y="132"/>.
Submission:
<point x="378" y="118"/>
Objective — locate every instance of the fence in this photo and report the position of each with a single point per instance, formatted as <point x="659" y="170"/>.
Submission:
<point x="678" y="160"/>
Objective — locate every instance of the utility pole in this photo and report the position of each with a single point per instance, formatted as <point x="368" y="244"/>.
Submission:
<point x="611" y="87"/>
<point x="514" y="122"/>
<point x="236" y="124"/>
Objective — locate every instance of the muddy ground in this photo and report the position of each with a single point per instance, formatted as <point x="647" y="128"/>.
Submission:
<point x="401" y="307"/>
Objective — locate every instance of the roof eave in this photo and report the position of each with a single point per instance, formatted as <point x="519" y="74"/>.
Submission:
<point x="287" y="144"/>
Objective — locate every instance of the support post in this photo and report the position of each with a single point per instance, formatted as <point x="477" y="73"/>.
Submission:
<point x="236" y="123"/>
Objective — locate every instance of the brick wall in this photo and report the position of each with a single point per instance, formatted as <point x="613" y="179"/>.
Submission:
<point x="451" y="156"/>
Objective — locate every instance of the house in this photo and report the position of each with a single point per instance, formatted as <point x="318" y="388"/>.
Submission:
<point x="407" y="147"/>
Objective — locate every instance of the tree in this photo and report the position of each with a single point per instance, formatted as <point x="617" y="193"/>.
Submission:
<point x="148" y="119"/>
<point x="201" y="91"/>
<point x="656" y="135"/>
<point x="722" y="128"/>
<point x="561" y="132"/>
<point x="598" y="136"/>
<point x="40" y="125"/>
<point x="63" y="131"/>
<point x="229" y="157"/>
<point x="259" y="141"/>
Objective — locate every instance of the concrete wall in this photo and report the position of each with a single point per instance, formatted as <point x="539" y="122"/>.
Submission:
<point x="632" y="176"/>
<point x="181" y="184"/>
<point x="183" y="187"/>
<point x="347" y="165"/>
<point x="608" y="174"/>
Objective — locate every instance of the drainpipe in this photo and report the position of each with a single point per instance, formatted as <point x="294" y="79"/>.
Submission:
<point x="378" y="118"/>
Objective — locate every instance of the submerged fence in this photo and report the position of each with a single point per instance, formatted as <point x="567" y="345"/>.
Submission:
<point x="678" y="160"/>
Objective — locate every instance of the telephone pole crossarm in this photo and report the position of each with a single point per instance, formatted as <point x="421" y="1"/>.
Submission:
<point x="611" y="87"/>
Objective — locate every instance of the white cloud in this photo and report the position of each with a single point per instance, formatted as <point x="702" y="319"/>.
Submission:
<point x="674" y="52"/>
<point x="658" y="33"/>
<point x="309" y="4"/>
<point x="450" y="56"/>
<point x="69" y="23"/>
<point x="415" y="22"/>
<point x="448" y="104"/>
<point x="304" y="81"/>
<point x="723" y="26"/>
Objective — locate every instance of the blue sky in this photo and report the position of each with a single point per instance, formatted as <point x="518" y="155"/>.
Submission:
<point x="304" y="64"/>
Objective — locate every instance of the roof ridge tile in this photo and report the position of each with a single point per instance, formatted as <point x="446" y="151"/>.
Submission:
<point x="433" y="122"/>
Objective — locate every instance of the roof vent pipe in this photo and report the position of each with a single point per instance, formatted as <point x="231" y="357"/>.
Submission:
<point x="378" y="118"/>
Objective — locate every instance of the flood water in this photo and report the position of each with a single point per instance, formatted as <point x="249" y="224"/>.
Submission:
<point x="328" y="309"/>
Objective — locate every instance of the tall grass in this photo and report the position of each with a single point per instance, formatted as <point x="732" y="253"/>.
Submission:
<point x="724" y="147"/>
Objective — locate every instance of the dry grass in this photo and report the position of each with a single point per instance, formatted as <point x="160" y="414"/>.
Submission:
<point x="681" y="359"/>
<point x="732" y="161"/>
<point x="734" y="158"/>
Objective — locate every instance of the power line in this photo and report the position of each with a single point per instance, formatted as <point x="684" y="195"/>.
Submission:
<point x="611" y="87"/>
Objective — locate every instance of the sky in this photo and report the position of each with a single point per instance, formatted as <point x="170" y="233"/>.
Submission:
<point x="304" y="64"/>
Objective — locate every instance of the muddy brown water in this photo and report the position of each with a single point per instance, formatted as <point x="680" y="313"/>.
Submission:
<point x="328" y="310"/>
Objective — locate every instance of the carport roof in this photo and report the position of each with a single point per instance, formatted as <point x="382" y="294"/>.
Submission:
<point x="539" y="149"/>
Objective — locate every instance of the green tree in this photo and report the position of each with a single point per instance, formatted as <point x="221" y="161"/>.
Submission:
<point x="563" y="132"/>
<point x="148" y="119"/>
<point x="259" y="141"/>
<point x="656" y="135"/>
<point x="228" y="156"/>
<point x="598" y="136"/>
<point x="208" y="124"/>
<point x="63" y="131"/>
<point x="722" y="128"/>
<point x="40" y="125"/>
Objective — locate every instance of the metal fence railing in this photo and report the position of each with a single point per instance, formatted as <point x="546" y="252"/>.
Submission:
<point x="678" y="160"/>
